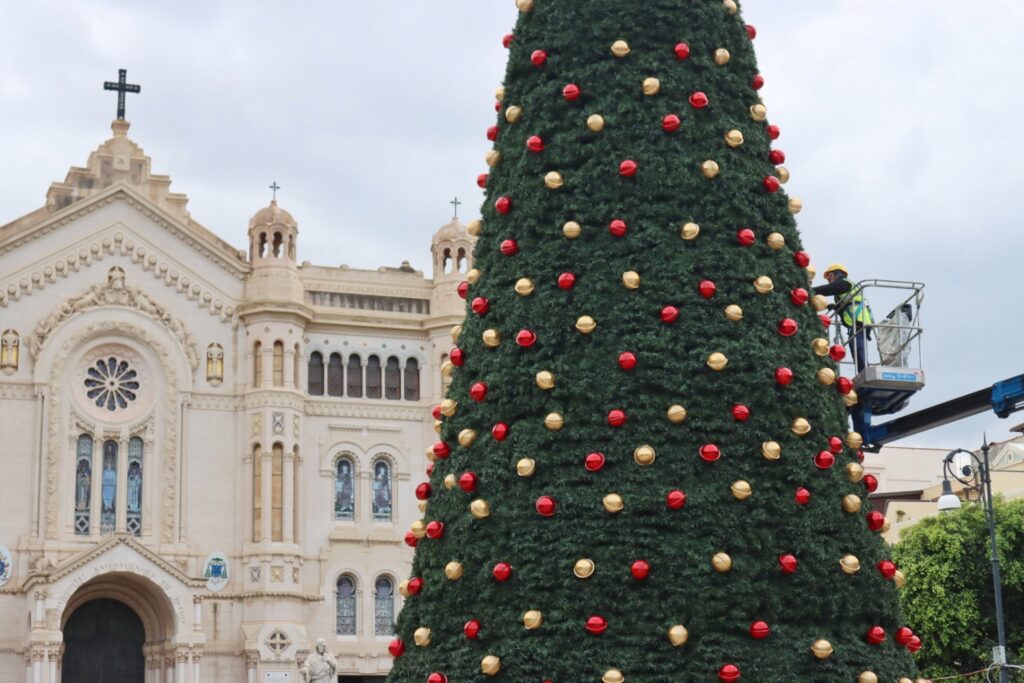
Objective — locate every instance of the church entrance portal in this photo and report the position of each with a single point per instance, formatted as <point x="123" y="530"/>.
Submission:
<point x="103" y="642"/>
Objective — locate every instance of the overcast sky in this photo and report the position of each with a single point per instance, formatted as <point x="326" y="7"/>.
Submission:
<point x="900" y="121"/>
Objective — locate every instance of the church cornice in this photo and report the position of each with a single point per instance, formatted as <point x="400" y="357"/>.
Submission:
<point x="363" y="411"/>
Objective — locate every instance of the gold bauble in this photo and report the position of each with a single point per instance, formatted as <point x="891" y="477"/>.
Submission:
<point x="854" y="472"/>
<point x="764" y="285"/>
<point x="437" y="426"/>
<point x="613" y="503"/>
<point x="467" y="437"/>
<point x="867" y="677"/>
<point x="820" y="346"/>
<point x="595" y="122"/>
<point x="490" y="665"/>
<point x="852" y="503"/>
<point x="422" y="636"/>
<point x="473" y="276"/>
<point x="513" y="113"/>
<point x="450" y="481"/>
<point x="526" y="467"/>
<point x="620" y="48"/>
<point x="447" y="368"/>
<point x="854" y="440"/>
<point x="851" y="399"/>
<point x="554" y="422"/>
<point x="886" y="525"/>
<point x="730" y="6"/>
<point x="741" y="490"/>
<point x="822" y="649"/>
<point x="572" y="230"/>
<point x="493" y="158"/>
<point x="710" y="169"/>
<point x="826" y="377"/>
<point x="811" y="272"/>
<point x="422" y="505"/>
<point x="678" y="635"/>
<point x="722" y="56"/>
<point x="613" y="676"/>
<point x="499" y="93"/>
<point x="480" y="508"/>
<point x="771" y="450"/>
<point x="492" y="338"/>
<point x="631" y="279"/>
<point x="430" y="455"/>
<point x="900" y="579"/>
<point x="690" y="231"/>
<point x="905" y="680"/>
<point x="545" y="380"/>
<point x="776" y="241"/>
<point x="524" y="286"/>
<point x="453" y="570"/>
<point x="819" y="302"/>
<point x="524" y="5"/>
<point x="782" y="173"/>
<point x="403" y="589"/>
<point x="800" y="426"/>
<point x="533" y="619"/>
<point x="721" y="562"/>
<point x="652" y="86"/>
<point x="759" y="112"/>
<point x="586" y="324"/>
<point x="850" y="564"/>
<point x="456" y="332"/>
<point x="418" y="528"/>
<point x="644" y="455"/>
<point x="583" y="569"/>
<point x="734" y="313"/>
<point x="475" y="227"/>
<point x="553" y="180"/>
<point x="717" y="361"/>
<point x="795" y="205"/>
<point x="734" y="138"/>
<point x="676" y="414"/>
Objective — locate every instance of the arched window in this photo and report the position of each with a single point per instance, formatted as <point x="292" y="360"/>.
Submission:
<point x="373" y="377"/>
<point x="345" y="489"/>
<point x="346" y="609"/>
<point x="382" y="491"/>
<point x="412" y="380"/>
<point x="462" y="260"/>
<point x="296" y="367"/>
<point x="383" y="606"/>
<point x="315" y="380"/>
<point x="278" y="364"/>
<point x="257" y="365"/>
<point x="393" y="379"/>
<point x="278" y="244"/>
<point x="335" y="376"/>
<point x="277" y="493"/>
<point x="257" y="493"/>
<point x="355" y="376"/>
<point x="447" y="260"/>
<point x="135" y="453"/>
<point x="108" y="489"/>
<point x="83" y="484"/>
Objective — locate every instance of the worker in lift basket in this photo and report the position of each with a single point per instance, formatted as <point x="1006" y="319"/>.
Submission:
<point x="853" y="310"/>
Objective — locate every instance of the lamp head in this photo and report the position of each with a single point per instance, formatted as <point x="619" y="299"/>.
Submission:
<point x="948" y="500"/>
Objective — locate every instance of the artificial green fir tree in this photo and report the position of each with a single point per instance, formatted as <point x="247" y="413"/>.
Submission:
<point x="644" y="471"/>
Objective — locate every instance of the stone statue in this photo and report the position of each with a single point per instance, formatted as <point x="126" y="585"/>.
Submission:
<point x="320" y="666"/>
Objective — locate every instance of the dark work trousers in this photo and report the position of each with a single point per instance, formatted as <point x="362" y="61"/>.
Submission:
<point x="858" y="348"/>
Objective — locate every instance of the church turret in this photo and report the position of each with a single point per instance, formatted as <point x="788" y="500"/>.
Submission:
<point x="452" y="248"/>
<point x="273" y="236"/>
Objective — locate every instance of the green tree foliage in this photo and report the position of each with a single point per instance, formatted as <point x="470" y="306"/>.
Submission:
<point x="527" y="316"/>
<point x="949" y="597"/>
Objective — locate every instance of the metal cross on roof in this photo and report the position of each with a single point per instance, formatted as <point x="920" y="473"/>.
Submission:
<point x="456" y="203"/>
<point x="275" y="187"/>
<point x="122" y="86"/>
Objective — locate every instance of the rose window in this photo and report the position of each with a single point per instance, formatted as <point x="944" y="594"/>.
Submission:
<point x="112" y="383"/>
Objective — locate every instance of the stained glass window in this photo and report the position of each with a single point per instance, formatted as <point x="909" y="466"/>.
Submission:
<point x="384" y="607"/>
<point x="346" y="606"/>
<point x="373" y="377"/>
<point x="83" y="485"/>
<point x="344" y="489"/>
<point x="335" y="376"/>
<point x="412" y="380"/>
<point x="355" y="376"/>
<point x="108" y="489"/>
<point x="278" y="364"/>
<point x="393" y="379"/>
<point x="135" y="452"/>
<point x="316" y="374"/>
<point x="112" y="384"/>
<point x="381" y="491"/>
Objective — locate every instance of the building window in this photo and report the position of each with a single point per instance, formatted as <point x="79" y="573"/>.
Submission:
<point x="108" y="490"/>
<point x="215" y="364"/>
<point x="315" y="380"/>
<point x="135" y="452"/>
<point x="384" y="607"/>
<point x="257" y="365"/>
<point x="335" y="376"/>
<point x="373" y="377"/>
<point x="9" y="343"/>
<point x="346" y="606"/>
<point x="412" y="380"/>
<point x="278" y="364"/>
<point x="345" y="489"/>
<point x="111" y="384"/>
<point x="83" y="485"/>
<point x="381" y="491"/>
<point x="355" y="376"/>
<point x="393" y="379"/>
<point x="296" y="367"/>
<point x="257" y="494"/>
<point x="277" y="493"/>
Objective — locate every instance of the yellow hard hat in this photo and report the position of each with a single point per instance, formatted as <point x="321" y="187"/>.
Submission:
<point x="837" y="266"/>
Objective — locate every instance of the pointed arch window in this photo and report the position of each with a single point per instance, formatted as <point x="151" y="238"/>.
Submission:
<point x="345" y="489"/>
<point x="393" y="379"/>
<point x="346" y="606"/>
<point x="384" y="607"/>
<point x="373" y="377"/>
<point x="108" y="489"/>
<point x="83" y="485"/>
<point x="412" y="380"/>
<point x="382" y="491"/>
<point x="315" y="380"/>
<point x="134" y="493"/>
<point x="335" y="376"/>
<point x="278" y="364"/>
<point x="355" y="376"/>
<point x="257" y="365"/>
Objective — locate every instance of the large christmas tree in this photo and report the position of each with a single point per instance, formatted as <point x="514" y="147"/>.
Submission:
<point x="644" y="471"/>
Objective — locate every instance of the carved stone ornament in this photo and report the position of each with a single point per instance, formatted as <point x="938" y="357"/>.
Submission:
<point x="9" y="347"/>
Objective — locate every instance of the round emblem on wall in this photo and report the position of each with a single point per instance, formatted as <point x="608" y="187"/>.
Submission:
<point x="6" y="565"/>
<point x="114" y="383"/>
<point x="215" y="571"/>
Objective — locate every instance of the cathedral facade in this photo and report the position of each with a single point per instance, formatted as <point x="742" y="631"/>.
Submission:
<point x="210" y="452"/>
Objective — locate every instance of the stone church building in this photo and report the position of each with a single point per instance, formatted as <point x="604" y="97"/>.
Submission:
<point x="210" y="453"/>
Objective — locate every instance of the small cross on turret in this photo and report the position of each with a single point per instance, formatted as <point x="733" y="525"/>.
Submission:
<point x="122" y="86"/>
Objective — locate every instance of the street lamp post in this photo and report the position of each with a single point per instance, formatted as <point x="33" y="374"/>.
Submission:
<point x="977" y="476"/>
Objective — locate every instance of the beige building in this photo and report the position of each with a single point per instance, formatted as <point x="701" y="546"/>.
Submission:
<point x="210" y="452"/>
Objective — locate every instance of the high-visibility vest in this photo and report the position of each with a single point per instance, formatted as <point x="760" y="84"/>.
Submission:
<point x="855" y="310"/>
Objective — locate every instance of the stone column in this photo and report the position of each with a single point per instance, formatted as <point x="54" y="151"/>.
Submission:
<point x="267" y="363"/>
<point x="196" y="655"/>
<point x="95" y="488"/>
<point x="169" y="668"/>
<point x="181" y="666"/>
<point x="197" y="614"/>
<point x="37" y="665"/>
<point x="267" y="503"/>
<point x="288" y="498"/>
<point x="38" y="620"/>
<point x="53" y="656"/>
<point x="252" y="659"/>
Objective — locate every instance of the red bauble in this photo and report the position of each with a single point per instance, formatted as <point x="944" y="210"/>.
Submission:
<point x="435" y="529"/>
<point x="707" y="288"/>
<point x="844" y="385"/>
<point x="698" y="100"/>
<point x="799" y="296"/>
<point x="758" y="82"/>
<point x="545" y="506"/>
<point x="876" y="520"/>
<point x="535" y="143"/>
<point x="526" y="338"/>
<point x="802" y="259"/>
<point x="760" y="630"/>
<point x="566" y="281"/>
<point x="616" y="418"/>
<point x="837" y="352"/>
<point x="860" y="455"/>
<point x="745" y="236"/>
<point x="887" y="568"/>
<point x="710" y="452"/>
<point x="539" y="57"/>
<point x="478" y="391"/>
<point x="783" y="377"/>
<point x="675" y="499"/>
<point x="824" y="460"/>
<point x="729" y="673"/>
<point x="835" y="444"/>
<point x="507" y="40"/>
<point x="468" y="481"/>
<point x="777" y="157"/>
<point x="509" y="247"/>
<point x="669" y="314"/>
<point x="437" y="678"/>
<point x="671" y="123"/>
<point x="682" y="51"/>
<point x="415" y="585"/>
<point x="442" y="450"/>
<point x="774" y="132"/>
<point x="497" y="106"/>
<point x="740" y="412"/>
<point x="627" y="360"/>
<point x="492" y="133"/>
<point x="571" y="92"/>
<point x="503" y="205"/>
<point x="436" y="412"/>
<point x="502" y="571"/>
<point x="826" y="321"/>
<point x="430" y="469"/>
<point x="875" y="635"/>
<point x="915" y="644"/>
<point x="457" y="357"/>
<point x="903" y="636"/>
<point x="480" y="305"/>
<point x="411" y="540"/>
<point x="596" y="625"/>
<point x="423" y="491"/>
<point x="618" y="228"/>
<point x="751" y="31"/>
<point x="481" y="180"/>
<point x="396" y="647"/>
<point x="640" y="570"/>
<point x="788" y="563"/>
<point x="628" y="168"/>
<point x="594" y="461"/>
<point x="788" y="327"/>
<point x="471" y="629"/>
<point x="771" y="183"/>
<point x="500" y="431"/>
<point x="803" y="496"/>
<point x="870" y="483"/>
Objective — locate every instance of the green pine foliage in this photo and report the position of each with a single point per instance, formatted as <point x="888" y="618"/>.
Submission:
<point x="669" y="190"/>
